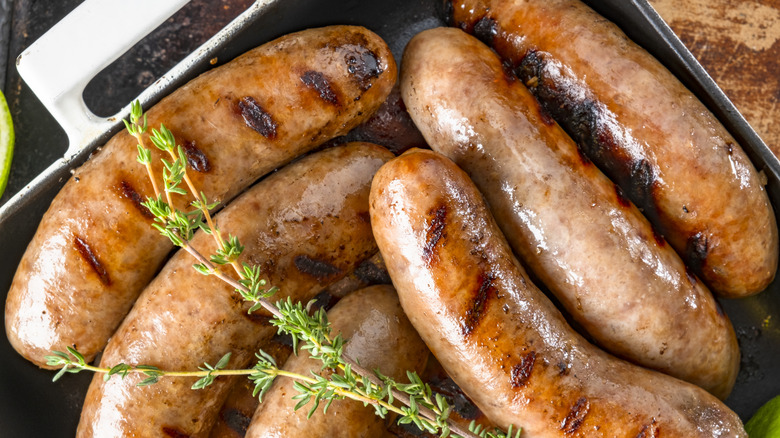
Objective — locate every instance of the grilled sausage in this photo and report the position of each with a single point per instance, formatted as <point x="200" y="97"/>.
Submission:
<point x="567" y="221"/>
<point x="305" y="226"/>
<point x="645" y="130"/>
<point x="380" y="337"/>
<point x="499" y="338"/>
<point x="95" y="250"/>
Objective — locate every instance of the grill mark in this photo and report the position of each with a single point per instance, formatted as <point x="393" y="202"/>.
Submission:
<point x="649" y="430"/>
<point x="368" y="272"/>
<point x="319" y="83"/>
<point x="173" y="432"/>
<point x="696" y="251"/>
<point x="521" y="372"/>
<point x="363" y="65"/>
<point x="236" y="420"/>
<point x="257" y="118"/>
<point x="196" y="159"/>
<point x="128" y="192"/>
<point x="486" y="29"/>
<point x="480" y="300"/>
<point x="576" y="416"/>
<point x="435" y="232"/>
<point x="89" y="256"/>
<point x="316" y="268"/>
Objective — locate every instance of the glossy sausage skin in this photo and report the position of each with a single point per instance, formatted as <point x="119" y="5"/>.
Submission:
<point x="645" y="130"/>
<point x="305" y="226"/>
<point x="380" y="337"/>
<point x="567" y="221"/>
<point x="95" y="249"/>
<point x="499" y="338"/>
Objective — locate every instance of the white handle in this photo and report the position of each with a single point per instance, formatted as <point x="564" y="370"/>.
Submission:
<point x="60" y="64"/>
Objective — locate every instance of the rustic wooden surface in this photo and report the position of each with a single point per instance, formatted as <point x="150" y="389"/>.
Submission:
<point x="738" y="43"/>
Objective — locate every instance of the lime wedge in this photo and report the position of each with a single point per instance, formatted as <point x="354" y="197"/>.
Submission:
<point x="766" y="421"/>
<point x="6" y="142"/>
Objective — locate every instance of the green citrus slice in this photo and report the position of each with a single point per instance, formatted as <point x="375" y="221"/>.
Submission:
<point x="6" y="142"/>
<point x="766" y="421"/>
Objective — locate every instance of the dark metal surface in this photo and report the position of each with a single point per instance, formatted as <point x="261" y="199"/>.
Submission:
<point x="5" y="32"/>
<point x="35" y="407"/>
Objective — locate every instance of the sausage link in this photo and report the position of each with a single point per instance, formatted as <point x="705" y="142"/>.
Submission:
<point x="305" y="226"/>
<point x="95" y="250"/>
<point x="499" y="338"/>
<point x="644" y="129"/>
<point x="380" y="337"/>
<point x="569" y="224"/>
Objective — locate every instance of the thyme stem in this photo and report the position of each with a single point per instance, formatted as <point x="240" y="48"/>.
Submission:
<point x="267" y="305"/>
<point x="206" y="215"/>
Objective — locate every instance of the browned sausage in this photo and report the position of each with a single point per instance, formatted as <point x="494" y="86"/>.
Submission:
<point x="379" y="336"/>
<point x="646" y="131"/>
<point x="570" y="225"/>
<point x="502" y="341"/>
<point x="95" y="250"/>
<point x="305" y="226"/>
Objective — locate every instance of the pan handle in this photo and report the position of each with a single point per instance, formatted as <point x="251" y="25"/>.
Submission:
<point x="60" y="64"/>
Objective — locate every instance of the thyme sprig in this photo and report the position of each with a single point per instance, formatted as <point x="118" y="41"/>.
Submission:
<point x="310" y="330"/>
<point x="314" y="387"/>
<point x="174" y="172"/>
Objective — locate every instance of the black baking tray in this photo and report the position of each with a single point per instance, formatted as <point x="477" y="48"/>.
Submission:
<point x="36" y="407"/>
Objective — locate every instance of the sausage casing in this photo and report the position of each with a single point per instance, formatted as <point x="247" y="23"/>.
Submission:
<point x="568" y="222"/>
<point x="379" y="336"/>
<point x="499" y="338"/>
<point x="95" y="249"/>
<point x="644" y="129"/>
<point x="306" y="226"/>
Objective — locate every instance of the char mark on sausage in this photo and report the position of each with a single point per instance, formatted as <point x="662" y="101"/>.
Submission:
<point x="316" y="268"/>
<point x="479" y="302"/>
<point x="92" y="260"/>
<point x="576" y="416"/>
<point x="434" y="232"/>
<point x="319" y="83"/>
<point x="369" y="273"/>
<point x="127" y="191"/>
<point x="363" y="65"/>
<point x="521" y="372"/>
<point x="257" y="118"/>
<point x="196" y="159"/>
<point x="486" y="29"/>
